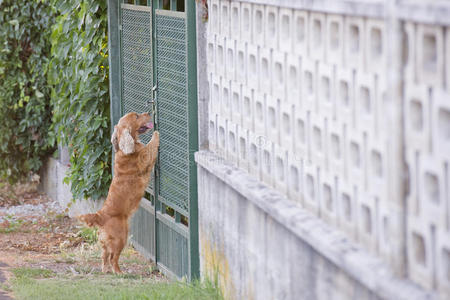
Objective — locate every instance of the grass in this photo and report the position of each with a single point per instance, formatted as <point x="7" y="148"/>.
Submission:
<point x="5" y="287"/>
<point x="89" y="234"/>
<point x="23" y="272"/>
<point x="38" y="284"/>
<point x="65" y="257"/>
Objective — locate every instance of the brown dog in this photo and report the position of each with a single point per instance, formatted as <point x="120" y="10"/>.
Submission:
<point x="133" y="164"/>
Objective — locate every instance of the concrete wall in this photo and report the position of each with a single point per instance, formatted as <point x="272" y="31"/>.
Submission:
<point x="342" y="107"/>
<point x="260" y="245"/>
<point x="52" y="183"/>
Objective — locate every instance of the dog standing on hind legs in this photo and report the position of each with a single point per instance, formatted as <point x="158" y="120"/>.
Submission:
<point x="133" y="164"/>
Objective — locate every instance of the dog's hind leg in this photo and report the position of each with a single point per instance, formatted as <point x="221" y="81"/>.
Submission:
<point x="106" y="260"/>
<point x="116" y="250"/>
<point x="115" y="263"/>
<point x="110" y="260"/>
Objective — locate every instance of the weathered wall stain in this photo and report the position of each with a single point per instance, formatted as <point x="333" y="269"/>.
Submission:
<point x="215" y="266"/>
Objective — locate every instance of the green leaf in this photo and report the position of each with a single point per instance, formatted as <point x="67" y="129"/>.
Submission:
<point x="39" y="94"/>
<point x="15" y="23"/>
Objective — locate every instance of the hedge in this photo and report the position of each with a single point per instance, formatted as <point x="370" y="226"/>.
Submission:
<point x="78" y="72"/>
<point x="54" y="89"/>
<point x="25" y="109"/>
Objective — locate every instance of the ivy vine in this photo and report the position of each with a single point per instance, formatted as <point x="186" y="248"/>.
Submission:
<point x="79" y="73"/>
<point x="25" y="109"/>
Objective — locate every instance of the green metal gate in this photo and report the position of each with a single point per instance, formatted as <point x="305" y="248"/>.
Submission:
<point x="153" y="69"/>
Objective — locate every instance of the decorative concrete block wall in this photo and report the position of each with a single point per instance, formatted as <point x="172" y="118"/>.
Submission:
<point x="427" y="139"/>
<point x="343" y="107"/>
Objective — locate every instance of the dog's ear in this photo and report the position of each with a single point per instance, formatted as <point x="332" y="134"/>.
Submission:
<point x="114" y="140"/>
<point x="126" y="142"/>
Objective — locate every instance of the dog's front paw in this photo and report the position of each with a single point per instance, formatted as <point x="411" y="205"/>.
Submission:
<point x="155" y="137"/>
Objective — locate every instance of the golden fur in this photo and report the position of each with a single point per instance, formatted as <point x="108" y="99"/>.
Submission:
<point x="133" y="163"/>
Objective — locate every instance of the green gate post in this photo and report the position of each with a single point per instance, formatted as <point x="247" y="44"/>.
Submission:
<point x="194" y="263"/>
<point x="154" y="5"/>
<point x="114" y="61"/>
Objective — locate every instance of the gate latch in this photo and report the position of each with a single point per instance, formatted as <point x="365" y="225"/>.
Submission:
<point x="153" y="100"/>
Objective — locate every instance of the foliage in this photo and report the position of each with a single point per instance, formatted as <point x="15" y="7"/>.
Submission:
<point x="89" y="234"/>
<point x="78" y="70"/>
<point x="25" y="113"/>
<point x="65" y="98"/>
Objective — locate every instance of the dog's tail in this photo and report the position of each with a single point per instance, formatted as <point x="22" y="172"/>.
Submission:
<point x="92" y="220"/>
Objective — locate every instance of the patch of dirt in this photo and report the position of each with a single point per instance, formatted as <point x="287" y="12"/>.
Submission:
<point x="36" y="233"/>
<point x="44" y="235"/>
<point x="21" y="193"/>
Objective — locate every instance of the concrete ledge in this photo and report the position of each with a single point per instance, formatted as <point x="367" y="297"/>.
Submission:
<point x="434" y="13"/>
<point x="52" y="183"/>
<point x="370" y="271"/>
<point x="367" y="8"/>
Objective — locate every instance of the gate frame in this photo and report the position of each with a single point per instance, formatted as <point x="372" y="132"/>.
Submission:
<point x="115" y="86"/>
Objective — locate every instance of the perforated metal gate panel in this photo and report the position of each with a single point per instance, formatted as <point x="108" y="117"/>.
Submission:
<point x="137" y="66"/>
<point x="173" y="109"/>
<point x="140" y="230"/>
<point x="137" y="84"/>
